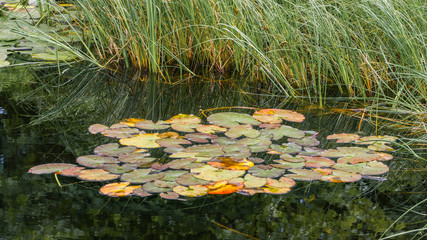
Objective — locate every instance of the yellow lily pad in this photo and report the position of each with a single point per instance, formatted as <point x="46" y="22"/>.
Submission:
<point x="147" y="140"/>
<point x="191" y="191"/>
<point x="120" y="189"/>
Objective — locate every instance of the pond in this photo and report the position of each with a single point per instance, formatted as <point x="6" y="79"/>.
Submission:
<point x="36" y="207"/>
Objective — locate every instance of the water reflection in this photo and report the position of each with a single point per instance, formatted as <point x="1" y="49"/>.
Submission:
<point x="35" y="207"/>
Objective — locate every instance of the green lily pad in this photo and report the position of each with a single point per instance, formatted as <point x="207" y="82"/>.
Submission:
<point x="172" y="175"/>
<point x="209" y="173"/>
<point x="256" y="160"/>
<point x="53" y="56"/>
<point x="97" y="175"/>
<point x="191" y="191"/>
<point x="141" y="176"/>
<point x="242" y="130"/>
<point x="238" y="154"/>
<point x="286" y="148"/>
<point x="304" y="174"/>
<point x="366" y="157"/>
<point x="120" y="189"/>
<point x="236" y="147"/>
<point x="185" y="127"/>
<point x="97" y="128"/>
<point x="254" y="182"/>
<point x="368" y="168"/>
<point x="172" y="142"/>
<point x="141" y="159"/>
<point x="286" y="165"/>
<point x="151" y="188"/>
<point x="206" y="150"/>
<point x="223" y="141"/>
<point x="283" y="182"/>
<point x="124" y="132"/>
<point x="276" y="115"/>
<point x="188" y="179"/>
<point x="380" y="147"/>
<point x="293" y="159"/>
<point x="305" y="141"/>
<point x="344" y="137"/>
<point x="341" y="176"/>
<point x="200" y="137"/>
<point x="266" y="171"/>
<point x="231" y="119"/>
<point x="113" y="150"/>
<point x="50" y="168"/>
<point x="186" y="163"/>
<point x="119" y="169"/>
<point x="312" y="151"/>
<point x="147" y="140"/>
<point x="345" y="152"/>
<point x="258" y="144"/>
<point x="376" y="139"/>
<point x="317" y="162"/>
<point x="283" y="131"/>
<point x="210" y="129"/>
<point x="149" y="125"/>
<point x="173" y="149"/>
<point x="4" y="63"/>
<point x="165" y="184"/>
<point x="95" y="161"/>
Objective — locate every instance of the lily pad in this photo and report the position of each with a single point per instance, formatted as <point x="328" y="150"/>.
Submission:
<point x="380" y="147"/>
<point x="304" y="174"/>
<point x="165" y="184"/>
<point x="188" y="179"/>
<point x="231" y="163"/>
<point x="120" y="189"/>
<point x="97" y="128"/>
<point x="223" y="141"/>
<point x="209" y="173"/>
<point x="113" y="150"/>
<point x="231" y="119"/>
<point x="242" y="130"/>
<point x="50" y="168"/>
<point x="276" y="191"/>
<point x="98" y="175"/>
<point x="147" y="140"/>
<point x="283" y="182"/>
<point x="170" y="195"/>
<point x="119" y="169"/>
<point x="286" y="165"/>
<point x="183" y="118"/>
<point x="140" y="192"/>
<point x="276" y="115"/>
<point x="95" y="161"/>
<point x="317" y="162"/>
<point x="210" y="129"/>
<point x="376" y="139"/>
<point x="305" y="141"/>
<point x="368" y="168"/>
<point x="141" y="176"/>
<point x="283" y="131"/>
<point x="191" y="191"/>
<point x="72" y="172"/>
<point x="341" y="176"/>
<point x="266" y="171"/>
<point x="169" y="135"/>
<point x="52" y="56"/>
<point x="365" y="157"/>
<point x="149" y="125"/>
<point x="226" y="189"/>
<point x="293" y="159"/>
<point x="185" y="127"/>
<point x="172" y="175"/>
<point x="186" y="163"/>
<point x="344" y="137"/>
<point x="200" y="137"/>
<point x="286" y="148"/>
<point x="151" y="188"/>
<point x="258" y="144"/>
<point x="254" y="182"/>
<point x="172" y="142"/>
<point x="141" y="159"/>
<point x="344" y="152"/>
<point x="131" y="121"/>
<point x="124" y="132"/>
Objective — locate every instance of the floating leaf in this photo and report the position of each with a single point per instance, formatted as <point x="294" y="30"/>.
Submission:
<point x="200" y="137"/>
<point x="249" y="191"/>
<point x="283" y="182"/>
<point x="226" y="189"/>
<point x="131" y="121"/>
<point x="188" y="179"/>
<point x="270" y="190"/>
<point x="140" y="159"/>
<point x="95" y="161"/>
<point x="149" y="125"/>
<point x="365" y="157"/>
<point x="258" y="144"/>
<point x="186" y="163"/>
<point x="172" y="142"/>
<point x="124" y="132"/>
<point x="231" y="163"/>
<point x="184" y="118"/>
<point x="55" y="56"/>
<point x="119" y="169"/>
<point x="210" y="129"/>
<point x="242" y="130"/>
<point x="286" y="148"/>
<point x="380" y="147"/>
<point x="170" y="195"/>
<point x="368" y="168"/>
<point x="344" y="152"/>
<point x="191" y="191"/>
<point x="185" y="127"/>
<point x="113" y="150"/>
<point x="283" y="131"/>
<point x="223" y="141"/>
<point x="317" y="162"/>
<point x="147" y="140"/>
<point x="168" y="135"/>
<point x="172" y="175"/>
<point x="151" y="188"/>
<point x="97" y="175"/>
<point x="97" y="128"/>
<point x="304" y="174"/>
<point x="256" y="160"/>
<point x="266" y="171"/>
<point x="72" y="172"/>
<point x="254" y="182"/>
<point x="344" y="137"/>
<point x="50" y="168"/>
<point x="214" y="174"/>
<point x="141" y="176"/>
<point x="165" y="184"/>
<point x="276" y="116"/>
<point x="286" y="165"/>
<point x="341" y="176"/>
<point x="140" y="192"/>
<point x="293" y="159"/>
<point x="375" y="139"/>
<point x="305" y="141"/>
<point x="231" y="119"/>
<point x="120" y="189"/>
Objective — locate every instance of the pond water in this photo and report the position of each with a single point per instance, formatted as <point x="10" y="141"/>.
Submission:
<point x="35" y="207"/>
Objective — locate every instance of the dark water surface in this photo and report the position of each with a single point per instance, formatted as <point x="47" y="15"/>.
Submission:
<point x="35" y="207"/>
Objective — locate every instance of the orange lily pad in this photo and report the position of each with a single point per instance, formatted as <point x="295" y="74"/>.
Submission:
<point x="231" y="163"/>
<point x="317" y="162"/>
<point x="120" y="189"/>
<point x="276" y="115"/>
<point x="131" y="121"/>
<point x="209" y="173"/>
<point x="97" y="175"/>
<point x="170" y="195"/>
<point x="226" y="189"/>
<point x="184" y="118"/>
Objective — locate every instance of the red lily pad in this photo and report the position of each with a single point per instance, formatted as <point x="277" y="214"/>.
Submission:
<point x="140" y="192"/>
<point x="72" y="172"/>
<point x="50" y="168"/>
<point x="170" y="195"/>
<point x="317" y="162"/>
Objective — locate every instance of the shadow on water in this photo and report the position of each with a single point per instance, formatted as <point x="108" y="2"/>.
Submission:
<point x="44" y="118"/>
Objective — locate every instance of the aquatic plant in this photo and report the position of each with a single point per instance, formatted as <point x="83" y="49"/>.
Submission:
<point x="234" y="153"/>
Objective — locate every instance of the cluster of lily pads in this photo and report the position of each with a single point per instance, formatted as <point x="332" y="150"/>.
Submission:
<point x="222" y="156"/>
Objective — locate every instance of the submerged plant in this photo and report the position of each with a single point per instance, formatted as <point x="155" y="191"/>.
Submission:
<point x="222" y="157"/>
